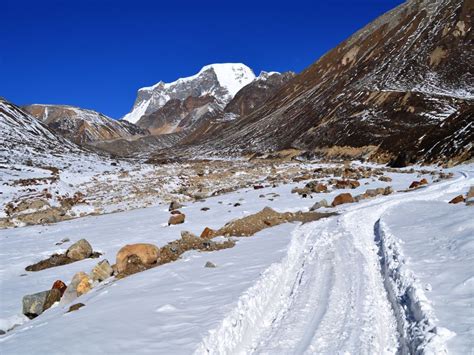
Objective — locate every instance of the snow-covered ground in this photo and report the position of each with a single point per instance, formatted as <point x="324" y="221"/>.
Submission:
<point x="312" y="288"/>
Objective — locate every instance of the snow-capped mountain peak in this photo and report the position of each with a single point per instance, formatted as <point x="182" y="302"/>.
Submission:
<point x="220" y="80"/>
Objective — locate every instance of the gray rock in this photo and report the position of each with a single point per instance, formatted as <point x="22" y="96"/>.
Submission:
<point x="209" y="264"/>
<point x="102" y="271"/>
<point x="79" y="250"/>
<point x="319" y="204"/>
<point x="33" y="305"/>
<point x="371" y="192"/>
<point x="174" y="206"/>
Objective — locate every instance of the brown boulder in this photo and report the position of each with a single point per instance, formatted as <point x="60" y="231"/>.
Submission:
<point x="59" y="285"/>
<point x="423" y="182"/>
<point x="414" y="185"/>
<point x="147" y="253"/>
<point x="176" y="219"/>
<point x="75" y="307"/>
<point x="457" y="199"/>
<point x="207" y="233"/>
<point x="342" y="199"/>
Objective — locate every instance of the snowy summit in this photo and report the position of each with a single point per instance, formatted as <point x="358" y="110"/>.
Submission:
<point x="221" y="81"/>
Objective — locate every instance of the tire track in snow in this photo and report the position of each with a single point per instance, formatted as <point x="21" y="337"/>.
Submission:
<point x="327" y="295"/>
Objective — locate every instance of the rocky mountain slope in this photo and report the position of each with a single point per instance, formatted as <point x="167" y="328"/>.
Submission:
<point x="401" y="88"/>
<point x="81" y="125"/>
<point x="24" y="139"/>
<point x="220" y="81"/>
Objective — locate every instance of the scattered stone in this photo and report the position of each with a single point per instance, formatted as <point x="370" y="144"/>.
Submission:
<point x="423" y="182"/>
<point x="249" y="225"/>
<point x="315" y="186"/>
<point x="102" y="271"/>
<point x="237" y="204"/>
<point x="209" y="264"/>
<point x="174" y="206"/>
<point x="75" y="307"/>
<point x="342" y="199"/>
<point x="2" y="332"/>
<point x="414" y="185"/>
<point x="205" y="209"/>
<point x="322" y="203"/>
<point x="65" y="240"/>
<point x="257" y="187"/>
<point x="79" y="250"/>
<point x="176" y="219"/>
<point x="147" y="254"/>
<point x="346" y="184"/>
<point x="385" y="178"/>
<point x="176" y="212"/>
<point x="207" y="233"/>
<point x="59" y="285"/>
<point x="457" y="199"/>
<point x="388" y="191"/>
<point x="33" y="305"/>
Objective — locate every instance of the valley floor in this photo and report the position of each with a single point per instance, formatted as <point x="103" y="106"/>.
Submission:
<point x="387" y="273"/>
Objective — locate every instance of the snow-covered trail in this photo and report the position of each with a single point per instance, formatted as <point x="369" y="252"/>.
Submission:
<point x="327" y="295"/>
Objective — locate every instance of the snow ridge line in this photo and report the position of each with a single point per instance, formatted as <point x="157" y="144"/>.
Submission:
<point x="263" y="303"/>
<point x="416" y="320"/>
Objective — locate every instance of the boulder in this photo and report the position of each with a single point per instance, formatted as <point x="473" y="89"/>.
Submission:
<point x="257" y="187"/>
<point x="380" y="190"/>
<point x="147" y="253"/>
<point x="33" y="305"/>
<point x="207" y="233"/>
<point x="346" y="184"/>
<point x="385" y="178"/>
<point x="388" y="191"/>
<point x="102" y="271"/>
<point x="174" y="205"/>
<point x="423" y="182"/>
<point x="371" y="192"/>
<point x="79" y="285"/>
<point x="54" y="295"/>
<point x="457" y="199"/>
<point x="176" y="219"/>
<point x="414" y="185"/>
<point x="319" y="204"/>
<point x="59" y="285"/>
<point x="342" y="199"/>
<point x="79" y="250"/>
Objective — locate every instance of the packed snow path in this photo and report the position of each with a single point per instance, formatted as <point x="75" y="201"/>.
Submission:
<point x="327" y="295"/>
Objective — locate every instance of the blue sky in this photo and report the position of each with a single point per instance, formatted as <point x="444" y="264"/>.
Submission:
<point x="96" y="53"/>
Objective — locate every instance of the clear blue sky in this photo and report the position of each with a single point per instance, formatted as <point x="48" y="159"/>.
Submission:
<point x="96" y="54"/>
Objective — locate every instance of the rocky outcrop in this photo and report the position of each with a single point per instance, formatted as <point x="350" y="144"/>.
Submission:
<point x="83" y="126"/>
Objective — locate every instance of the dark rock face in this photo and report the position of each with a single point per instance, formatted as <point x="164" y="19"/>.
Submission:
<point x="403" y="84"/>
<point x="82" y="126"/>
<point x="254" y="95"/>
<point x="177" y="115"/>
